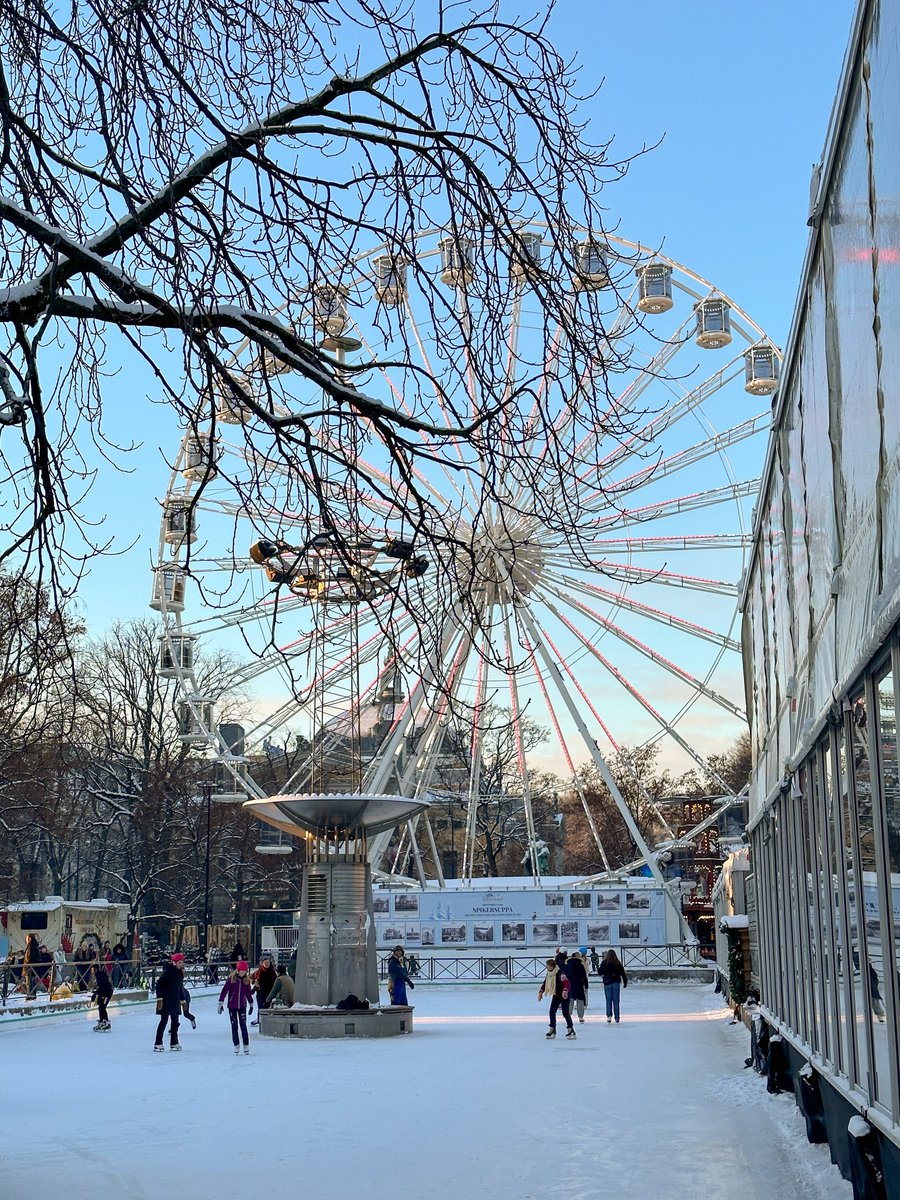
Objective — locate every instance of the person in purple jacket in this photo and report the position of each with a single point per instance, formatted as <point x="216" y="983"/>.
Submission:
<point x="239" y="994"/>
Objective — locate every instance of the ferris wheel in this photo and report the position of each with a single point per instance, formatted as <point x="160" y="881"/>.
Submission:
<point x="594" y="588"/>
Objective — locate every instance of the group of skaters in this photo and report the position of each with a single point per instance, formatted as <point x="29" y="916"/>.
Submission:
<point x="566" y="983"/>
<point x="266" y="986"/>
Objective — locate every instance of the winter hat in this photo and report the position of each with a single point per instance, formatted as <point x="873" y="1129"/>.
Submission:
<point x="575" y="954"/>
<point x="242" y="966"/>
<point x="177" y="958"/>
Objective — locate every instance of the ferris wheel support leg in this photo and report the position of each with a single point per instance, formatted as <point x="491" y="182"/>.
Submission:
<point x="606" y="774"/>
<point x="414" y="842"/>
<point x="435" y="857"/>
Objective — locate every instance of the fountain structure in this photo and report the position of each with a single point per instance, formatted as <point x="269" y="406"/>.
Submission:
<point x="336" y="952"/>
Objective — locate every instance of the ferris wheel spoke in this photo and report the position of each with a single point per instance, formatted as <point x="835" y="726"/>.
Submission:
<point x="560" y="737"/>
<point x="723" y="641"/>
<point x="642" y="700"/>
<point x="628" y="573"/>
<point x="553" y="669"/>
<point x="559" y="661"/>
<point x="670" y="544"/>
<point x="665" y="467"/>
<point x="515" y="712"/>
<point x="680" y="504"/>
<point x="427" y="441"/>
<point x="481" y="684"/>
<point x="697" y="685"/>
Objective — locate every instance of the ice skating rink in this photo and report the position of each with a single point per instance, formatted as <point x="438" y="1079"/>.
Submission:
<point x="475" y="1103"/>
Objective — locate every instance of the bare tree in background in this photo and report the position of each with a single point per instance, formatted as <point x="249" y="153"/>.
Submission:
<point x="201" y="185"/>
<point x="501" y="827"/>
<point x="641" y="783"/>
<point x="39" y="703"/>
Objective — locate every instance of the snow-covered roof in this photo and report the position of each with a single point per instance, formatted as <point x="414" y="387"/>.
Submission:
<point x="738" y="921"/>
<point x="51" y="903"/>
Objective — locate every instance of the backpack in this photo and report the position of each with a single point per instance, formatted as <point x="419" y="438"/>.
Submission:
<point x="351" y="1003"/>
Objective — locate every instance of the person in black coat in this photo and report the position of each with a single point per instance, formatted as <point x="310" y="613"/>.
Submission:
<point x="578" y="983"/>
<point x="614" y="978"/>
<point x="556" y="986"/>
<point x="103" y="990"/>
<point x="237" y="954"/>
<point x="263" y="982"/>
<point x="168" y="1001"/>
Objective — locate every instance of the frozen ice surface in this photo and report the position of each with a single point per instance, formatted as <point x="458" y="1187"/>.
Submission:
<point x="477" y="1102"/>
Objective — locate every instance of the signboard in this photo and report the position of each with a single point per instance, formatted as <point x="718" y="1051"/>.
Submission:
<point x="517" y="920"/>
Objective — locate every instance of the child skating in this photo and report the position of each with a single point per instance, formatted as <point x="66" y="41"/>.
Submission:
<point x="186" y="1007"/>
<point x="239" y="995"/>
<point x="103" y="990"/>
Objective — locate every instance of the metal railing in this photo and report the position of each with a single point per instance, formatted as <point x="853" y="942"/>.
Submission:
<point x="43" y="981"/>
<point x="48" y="981"/>
<point x="528" y="968"/>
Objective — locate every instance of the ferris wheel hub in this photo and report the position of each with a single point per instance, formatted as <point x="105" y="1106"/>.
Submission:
<point x="506" y="564"/>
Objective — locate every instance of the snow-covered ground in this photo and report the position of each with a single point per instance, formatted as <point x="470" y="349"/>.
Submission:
<point x="476" y="1103"/>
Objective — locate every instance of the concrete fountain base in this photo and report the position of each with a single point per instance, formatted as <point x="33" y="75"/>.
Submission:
<point x="336" y="1023"/>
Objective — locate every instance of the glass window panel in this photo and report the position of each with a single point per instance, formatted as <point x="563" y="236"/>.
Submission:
<point x="799" y="897"/>
<point x="814" y="984"/>
<point x="836" y="913"/>
<point x="871" y="959"/>
<point x="788" y="966"/>
<point x="858" y="997"/>
<point x="882" y="928"/>
<point x="825" y="925"/>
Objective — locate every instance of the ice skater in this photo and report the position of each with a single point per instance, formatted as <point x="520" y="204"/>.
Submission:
<point x="168" y="1002"/>
<point x="103" y="990"/>
<point x="576" y="973"/>
<point x="614" y="978"/>
<point x="186" y="1007"/>
<point x="239" y="994"/>
<point x="556" y="985"/>
<point x="398" y="977"/>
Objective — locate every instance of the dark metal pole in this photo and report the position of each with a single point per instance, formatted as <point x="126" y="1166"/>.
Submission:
<point x="207" y="793"/>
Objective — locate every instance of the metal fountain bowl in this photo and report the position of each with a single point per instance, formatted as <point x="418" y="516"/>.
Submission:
<point x="339" y="812"/>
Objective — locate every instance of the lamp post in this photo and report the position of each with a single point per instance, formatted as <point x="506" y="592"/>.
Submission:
<point x="204" y="932"/>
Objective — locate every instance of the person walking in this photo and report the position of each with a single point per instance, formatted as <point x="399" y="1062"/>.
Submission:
<point x="239" y="995"/>
<point x="168" y="1002"/>
<point x="556" y="986"/>
<point x="102" y="994"/>
<point x="595" y="960"/>
<point x="398" y="977"/>
<point x="614" y="978"/>
<point x="578" y="984"/>
<point x="238" y="954"/>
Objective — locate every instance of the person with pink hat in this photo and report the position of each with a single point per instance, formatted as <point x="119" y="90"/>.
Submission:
<point x="168" y="1002"/>
<point x="239" y="994"/>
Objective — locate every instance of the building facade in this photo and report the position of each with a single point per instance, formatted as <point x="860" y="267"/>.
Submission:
<point x="821" y="635"/>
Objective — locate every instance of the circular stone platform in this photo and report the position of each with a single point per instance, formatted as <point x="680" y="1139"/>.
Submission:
<point x="335" y="1022"/>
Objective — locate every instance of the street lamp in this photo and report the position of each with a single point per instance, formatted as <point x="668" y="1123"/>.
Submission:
<point x="204" y="931"/>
